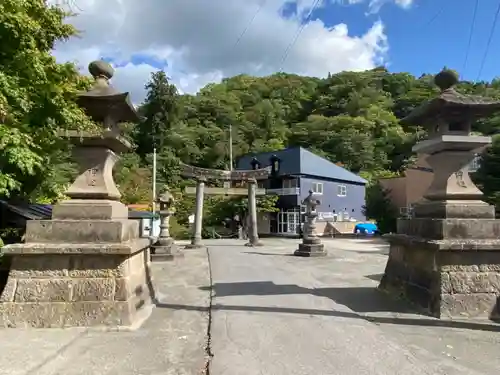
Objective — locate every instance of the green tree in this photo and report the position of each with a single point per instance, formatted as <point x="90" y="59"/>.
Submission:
<point x="488" y="174"/>
<point x="380" y="208"/>
<point x="36" y="95"/>
<point x="160" y="112"/>
<point x="133" y="180"/>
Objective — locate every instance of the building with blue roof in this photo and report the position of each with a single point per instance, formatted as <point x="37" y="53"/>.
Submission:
<point x="296" y="171"/>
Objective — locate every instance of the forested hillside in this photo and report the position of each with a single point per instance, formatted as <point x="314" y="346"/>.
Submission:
<point x="350" y="118"/>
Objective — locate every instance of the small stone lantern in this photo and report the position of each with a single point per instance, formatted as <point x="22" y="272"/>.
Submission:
<point x="439" y="258"/>
<point x="311" y="245"/>
<point x="164" y="248"/>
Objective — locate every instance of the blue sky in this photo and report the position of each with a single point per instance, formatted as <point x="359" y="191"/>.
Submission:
<point x="430" y="35"/>
<point x="194" y="41"/>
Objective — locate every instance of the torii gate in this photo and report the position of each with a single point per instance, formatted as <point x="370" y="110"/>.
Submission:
<point x="204" y="174"/>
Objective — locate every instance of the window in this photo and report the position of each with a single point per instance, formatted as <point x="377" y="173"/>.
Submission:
<point x="289" y="184"/>
<point x="341" y="190"/>
<point x="317" y="188"/>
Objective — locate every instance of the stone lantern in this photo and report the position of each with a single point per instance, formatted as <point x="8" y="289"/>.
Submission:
<point x="439" y="258"/>
<point x="96" y="154"/>
<point x="87" y="266"/>
<point x="164" y="248"/>
<point x="311" y="245"/>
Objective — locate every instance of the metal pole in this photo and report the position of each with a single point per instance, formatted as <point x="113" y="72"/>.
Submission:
<point x="153" y="210"/>
<point x="230" y="147"/>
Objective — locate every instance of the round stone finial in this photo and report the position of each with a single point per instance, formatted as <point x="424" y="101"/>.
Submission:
<point x="101" y="68"/>
<point x="445" y="79"/>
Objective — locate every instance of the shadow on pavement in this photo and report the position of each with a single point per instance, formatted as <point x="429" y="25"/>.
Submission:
<point x="361" y="300"/>
<point x="377" y="277"/>
<point x="275" y="254"/>
<point x="382" y="251"/>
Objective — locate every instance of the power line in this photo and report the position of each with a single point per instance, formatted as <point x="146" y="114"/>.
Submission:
<point x="249" y="24"/>
<point x="435" y="16"/>
<point x="299" y="31"/>
<point x="471" y="32"/>
<point x="492" y="31"/>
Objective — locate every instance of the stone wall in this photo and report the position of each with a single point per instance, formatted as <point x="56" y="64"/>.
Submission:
<point x="60" y="290"/>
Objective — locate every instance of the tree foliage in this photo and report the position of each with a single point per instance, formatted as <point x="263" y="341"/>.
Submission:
<point x="488" y="174"/>
<point x="380" y="208"/>
<point x="36" y="94"/>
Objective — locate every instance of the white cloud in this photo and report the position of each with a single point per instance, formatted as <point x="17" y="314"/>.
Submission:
<point x="194" y="40"/>
<point x="375" y="5"/>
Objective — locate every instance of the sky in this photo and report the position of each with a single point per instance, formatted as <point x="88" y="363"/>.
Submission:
<point x="197" y="42"/>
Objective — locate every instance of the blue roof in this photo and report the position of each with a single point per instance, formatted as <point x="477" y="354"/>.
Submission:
<point x="315" y="165"/>
<point x="300" y="161"/>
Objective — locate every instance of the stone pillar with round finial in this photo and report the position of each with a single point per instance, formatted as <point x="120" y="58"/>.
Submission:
<point x="437" y="258"/>
<point x="88" y="265"/>
<point x="164" y="249"/>
<point x="311" y="245"/>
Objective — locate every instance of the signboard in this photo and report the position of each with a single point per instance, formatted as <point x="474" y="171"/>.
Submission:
<point x="191" y="219"/>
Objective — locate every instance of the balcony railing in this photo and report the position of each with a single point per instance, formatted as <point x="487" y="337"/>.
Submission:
<point x="284" y="191"/>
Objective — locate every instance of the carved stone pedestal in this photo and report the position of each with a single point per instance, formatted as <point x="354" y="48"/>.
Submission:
<point x="311" y="248"/>
<point x="165" y="250"/>
<point x="446" y="259"/>
<point x="457" y="276"/>
<point x="77" y="273"/>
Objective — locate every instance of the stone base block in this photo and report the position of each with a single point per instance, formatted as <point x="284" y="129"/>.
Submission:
<point x="454" y="210"/>
<point x="85" y="209"/>
<point x="165" y="253"/>
<point x="444" y="278"/>
<point x="63" y="290"/>
<point x="439" y="229"/>
<point x="78" y="314"/>
<point x="310" y="250"/>
<point x="81" y="231"/>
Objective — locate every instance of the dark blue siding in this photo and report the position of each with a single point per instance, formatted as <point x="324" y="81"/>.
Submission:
<point x="354" y="200"/>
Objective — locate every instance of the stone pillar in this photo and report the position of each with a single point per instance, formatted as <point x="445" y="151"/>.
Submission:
<point x="87" y="266"/>
<point x="253" y="230"/>
<point x="446" y="259"/>
<point x="198" y="215"/>
<point x="311" y="245"/>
